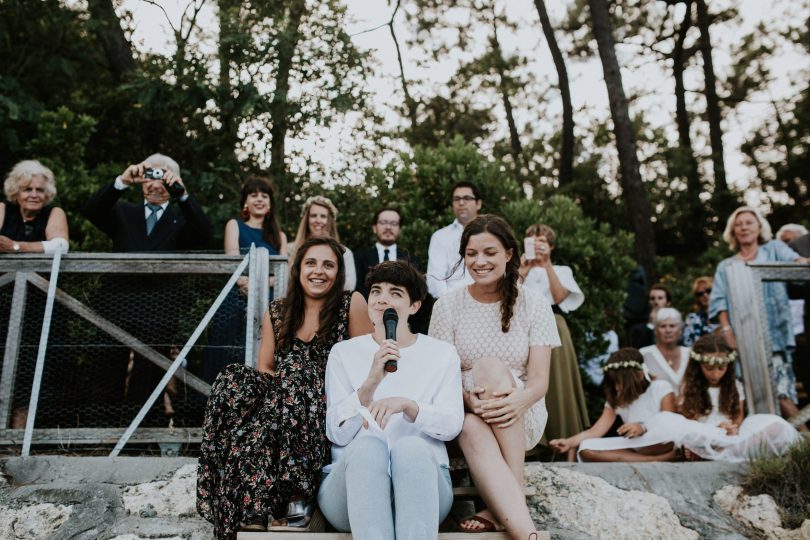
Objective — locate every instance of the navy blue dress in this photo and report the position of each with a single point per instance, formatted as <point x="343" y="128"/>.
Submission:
<point x="226" y="333"/>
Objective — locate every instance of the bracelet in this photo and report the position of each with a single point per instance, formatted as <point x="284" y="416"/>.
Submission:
<point x="725" y="328"/>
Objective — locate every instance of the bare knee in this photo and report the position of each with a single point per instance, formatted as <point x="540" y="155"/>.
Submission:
<point x="492" y="374"/>
<point x="473" y="430"/>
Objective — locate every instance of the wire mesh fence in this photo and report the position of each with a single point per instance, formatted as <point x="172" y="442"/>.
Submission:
<point x="118" y="322"/>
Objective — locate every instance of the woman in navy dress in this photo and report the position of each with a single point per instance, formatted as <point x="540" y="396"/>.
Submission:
<point x="258" y="226"/>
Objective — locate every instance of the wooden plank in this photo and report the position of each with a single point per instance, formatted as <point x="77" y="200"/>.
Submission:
<point x="14" y="437"/>
<point x="12" y="349"/>
<point x="541" y="535"/>
<point x="746" y="310"/>
<point x="471" y="492"/>
<point x="130" y="263"/>
<point x="121" y="335"/>
<point x="5" y="279"/>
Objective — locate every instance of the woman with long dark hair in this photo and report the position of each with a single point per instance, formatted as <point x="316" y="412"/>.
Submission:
<point x="264" y="442"/>
<point x="504" y="334"/>
<point x="258" y="226"/>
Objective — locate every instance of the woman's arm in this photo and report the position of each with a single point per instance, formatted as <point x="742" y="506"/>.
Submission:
<point x="597" y="430"/>
<point x="231" y="237"/>
<point x="726" y="330"/>
<point x="56" y="235"/>
<point x="282" y="248"/>
<point x="668" y="403"/>
<point x="267" y="349"/>
<point x="359" y="323"/>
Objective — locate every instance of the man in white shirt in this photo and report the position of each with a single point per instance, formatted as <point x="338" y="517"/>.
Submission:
<point x="443" y="272"/>
<point x="389" y="474"/>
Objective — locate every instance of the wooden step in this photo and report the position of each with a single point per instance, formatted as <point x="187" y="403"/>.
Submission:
<point x="542" y="535"/>
<point x="472" y="492"/>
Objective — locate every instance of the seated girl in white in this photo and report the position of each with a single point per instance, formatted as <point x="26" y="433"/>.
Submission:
<point x="712" y="395"/>
<point x="638" y="402"/>
<point x="389" y="476"/>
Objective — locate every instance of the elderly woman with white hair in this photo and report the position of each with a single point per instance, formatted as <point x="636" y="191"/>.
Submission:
<point x="666" y="360"/>
<point x="749" y="235"/>
<point x="28" y="221"/>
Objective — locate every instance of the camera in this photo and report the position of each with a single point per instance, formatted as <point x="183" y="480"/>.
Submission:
<point x="175" y="190"/>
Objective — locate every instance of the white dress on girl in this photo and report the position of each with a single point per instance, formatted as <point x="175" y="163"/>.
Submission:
<point x="646" y="409"/>
<point x="758" y="434"/>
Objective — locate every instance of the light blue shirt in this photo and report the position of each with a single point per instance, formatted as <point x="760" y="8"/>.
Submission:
<point x="777" y="308"/>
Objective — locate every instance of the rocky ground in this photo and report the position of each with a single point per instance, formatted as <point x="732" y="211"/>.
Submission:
<point x="134" y="498"/>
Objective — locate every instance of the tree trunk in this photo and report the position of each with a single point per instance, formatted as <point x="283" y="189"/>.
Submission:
<point x="567" y="146"/>
<point x="632" y="186"/>
<point x="696" y="217"/>
<point x="712" y="103"/>
<point x="279" y="106"/>
<point x="112" y="37"/>
<point x="516" y="149"/>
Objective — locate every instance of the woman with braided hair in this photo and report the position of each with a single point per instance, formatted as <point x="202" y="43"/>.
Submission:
<point x="504" y="334"/>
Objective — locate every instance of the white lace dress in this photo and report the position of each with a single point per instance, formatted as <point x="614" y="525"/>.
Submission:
<point x="475" y="329"/>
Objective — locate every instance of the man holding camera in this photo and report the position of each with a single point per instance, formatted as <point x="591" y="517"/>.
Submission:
<point x="154" y="225"/>
<point x="147" y="306"/>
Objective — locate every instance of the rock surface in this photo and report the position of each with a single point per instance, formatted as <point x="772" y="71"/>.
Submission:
<point x="140" y="498"/>
<point x="588" y="504"/>
<point x="760" y="512"/>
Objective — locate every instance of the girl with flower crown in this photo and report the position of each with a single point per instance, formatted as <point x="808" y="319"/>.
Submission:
<point x="632" y="396"/>
<point x="712" y="395"/>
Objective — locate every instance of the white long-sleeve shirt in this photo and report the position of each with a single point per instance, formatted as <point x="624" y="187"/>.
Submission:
<point x="429" y="373"/>
<point x="442" y="257"/>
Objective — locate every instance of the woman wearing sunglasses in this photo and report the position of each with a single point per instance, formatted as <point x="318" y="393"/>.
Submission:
<point x="697" y="323"/>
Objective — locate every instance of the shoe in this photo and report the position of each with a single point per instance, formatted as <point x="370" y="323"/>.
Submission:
<point x="299" y="514"/>
<point x="485" y="525"/>
<point x="255" y="526"/>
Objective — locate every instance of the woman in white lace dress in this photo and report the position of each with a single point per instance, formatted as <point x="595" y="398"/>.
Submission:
<point x="504" y="334"/>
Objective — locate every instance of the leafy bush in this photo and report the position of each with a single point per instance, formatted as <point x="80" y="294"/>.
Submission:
<point x="785" y="478"/>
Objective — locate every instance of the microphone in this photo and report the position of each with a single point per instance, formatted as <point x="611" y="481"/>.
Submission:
<point x="390" y="321"/>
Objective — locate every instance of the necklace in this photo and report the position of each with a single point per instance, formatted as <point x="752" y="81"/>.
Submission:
<point x="750" y="256"/>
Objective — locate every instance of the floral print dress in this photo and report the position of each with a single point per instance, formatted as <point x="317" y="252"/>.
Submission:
<point x="264" y="436"/>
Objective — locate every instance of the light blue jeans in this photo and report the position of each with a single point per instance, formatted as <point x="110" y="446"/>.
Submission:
<point x="359" y="496"/>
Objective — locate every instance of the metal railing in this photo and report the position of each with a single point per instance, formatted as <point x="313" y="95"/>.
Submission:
<point x="92" y="319"/>
<point x="750" y="323"/>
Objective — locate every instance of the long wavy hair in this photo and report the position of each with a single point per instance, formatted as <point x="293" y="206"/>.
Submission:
<point x="294" y="303"/>
<point x="271" y="232"/>
<point x="695" y="400"/>
<point x="303" y="226"/>
<point x="624" y="385"/>
<point x="507" y="286"/>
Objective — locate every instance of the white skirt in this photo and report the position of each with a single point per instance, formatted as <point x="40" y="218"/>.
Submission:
<point x="759" y="434"/>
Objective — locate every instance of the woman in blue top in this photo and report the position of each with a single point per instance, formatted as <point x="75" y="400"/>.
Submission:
<point x="259" y="226"/>
<point x="749" y="235"/>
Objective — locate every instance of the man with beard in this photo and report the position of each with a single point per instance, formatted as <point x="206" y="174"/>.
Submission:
<point x="387" y="225"/>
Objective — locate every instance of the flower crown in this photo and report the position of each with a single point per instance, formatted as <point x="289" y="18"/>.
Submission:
<point x="713" y="359"/>
<point x="621" y="365"/>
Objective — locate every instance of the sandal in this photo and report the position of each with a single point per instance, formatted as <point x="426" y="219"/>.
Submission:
<point x="485" y="525"/>
<point x="299" y="514"/>
<point x="258" y="525"/>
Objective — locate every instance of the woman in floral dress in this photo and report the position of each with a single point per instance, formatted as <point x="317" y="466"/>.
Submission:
<point x="264" y="442"/>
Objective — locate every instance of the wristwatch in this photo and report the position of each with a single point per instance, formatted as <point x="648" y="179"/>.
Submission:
<point x="15" y="247"/>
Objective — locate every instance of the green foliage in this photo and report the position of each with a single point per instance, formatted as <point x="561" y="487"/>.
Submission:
<point x="785" y="478"/>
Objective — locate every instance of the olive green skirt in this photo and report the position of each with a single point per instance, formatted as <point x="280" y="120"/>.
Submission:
<point x="565" y="400"/>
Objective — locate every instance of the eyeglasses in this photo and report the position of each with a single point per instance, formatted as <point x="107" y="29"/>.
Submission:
<point x="386" y="223"/>
<point x="465" y="198"/>
<point x="704" y="292"/>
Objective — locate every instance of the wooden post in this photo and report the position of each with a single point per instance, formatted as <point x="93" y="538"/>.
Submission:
<point x="12" y="352"/>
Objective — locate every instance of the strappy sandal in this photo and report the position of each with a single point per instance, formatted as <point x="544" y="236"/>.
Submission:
<point x="486" y="525"/>
<point x="299" y="514"/>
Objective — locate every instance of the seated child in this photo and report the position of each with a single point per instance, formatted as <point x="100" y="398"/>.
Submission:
<point x="389" y="476"/>
<point x="637" y="401"/>
<point x="712" y="395"/>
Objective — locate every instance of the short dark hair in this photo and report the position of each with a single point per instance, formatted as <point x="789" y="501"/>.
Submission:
<point x="661" y="287"/>
<point x="386" y="209"/>
<point x="400" y="273"/>
<point x="465" y="184"/>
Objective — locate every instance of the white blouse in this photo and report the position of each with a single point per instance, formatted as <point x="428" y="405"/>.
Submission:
<point x="658" y="368"/>
<point x="537" y="279"/>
